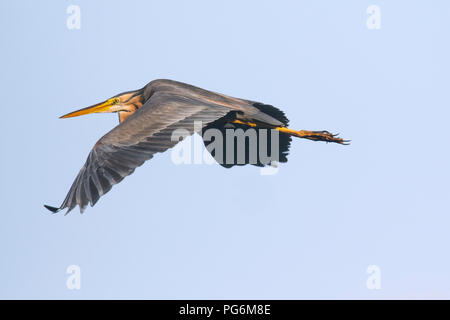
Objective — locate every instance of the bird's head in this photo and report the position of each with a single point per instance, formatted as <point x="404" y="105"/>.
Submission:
<point x="125" y="104"/>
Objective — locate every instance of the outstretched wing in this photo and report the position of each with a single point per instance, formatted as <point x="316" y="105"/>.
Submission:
<point x="126" y="147"/>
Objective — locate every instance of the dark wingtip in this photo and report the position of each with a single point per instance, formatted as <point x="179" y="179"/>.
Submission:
<point x="52" y="209"/>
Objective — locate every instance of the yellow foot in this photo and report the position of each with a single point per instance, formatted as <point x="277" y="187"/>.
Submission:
<point x="315" y="135"/>
<point x="311" y="135"/>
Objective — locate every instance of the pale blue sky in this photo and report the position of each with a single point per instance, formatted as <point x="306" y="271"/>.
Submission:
<point x="199" y="231"/>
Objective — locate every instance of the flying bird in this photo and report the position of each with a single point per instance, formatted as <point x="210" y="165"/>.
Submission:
<point x="150" y="115"/>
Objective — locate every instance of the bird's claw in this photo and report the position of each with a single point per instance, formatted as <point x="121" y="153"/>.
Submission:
<point x="328" y="137"/>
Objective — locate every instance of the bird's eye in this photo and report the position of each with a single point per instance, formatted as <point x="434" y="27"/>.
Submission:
<point x="116" y="101"/>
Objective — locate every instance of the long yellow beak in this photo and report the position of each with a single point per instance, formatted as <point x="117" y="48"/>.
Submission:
<point x="106" y="106"/>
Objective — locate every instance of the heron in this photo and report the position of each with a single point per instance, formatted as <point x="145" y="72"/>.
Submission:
<point x="147" y="119"/>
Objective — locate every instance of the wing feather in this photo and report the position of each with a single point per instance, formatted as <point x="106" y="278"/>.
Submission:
<point x="134" y="141"/>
